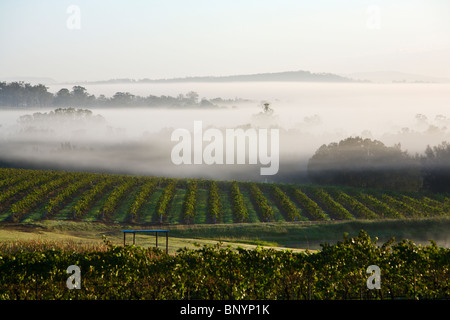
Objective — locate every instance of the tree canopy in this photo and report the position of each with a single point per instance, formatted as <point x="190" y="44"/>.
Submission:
<point x="436" y="167"/>
<point x="20" y="94"/>
<point x="362" y="162"/>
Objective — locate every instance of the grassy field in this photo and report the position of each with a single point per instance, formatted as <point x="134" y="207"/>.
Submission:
<point x="293" y="236"/>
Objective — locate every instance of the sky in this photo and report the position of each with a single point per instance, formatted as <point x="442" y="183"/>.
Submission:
<point x="85" y="40"/>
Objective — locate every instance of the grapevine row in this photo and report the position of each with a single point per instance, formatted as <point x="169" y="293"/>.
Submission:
<point x="261" y="202"/>
<point x="116" y="197"/>
<point x="88" y="198"/>
<point x="378" y="206"/>
<point x="436" y="204"/>
<point x="165" y="199"/>
<point x="8" y="173"/>
<point x="402" y="207"/>
<point x="14" y="178"/>
<point x="214" y="204"/>
<point x="312" y="208"/>
<point x="285" y="203"/>
<point x="189" y="203"/>
<point x="334" y="208"/>
<point x="356" y="207"/>
<point x="34" y="180"/>
<point x="38" y="195"/>
<point x="239" y="209"/>
<point x="141" y="197"/>
<point x="424" y="209"/>
<point x="409" y="272"/>
<point x="22" y="191"/>
<point x="56" y="202"/>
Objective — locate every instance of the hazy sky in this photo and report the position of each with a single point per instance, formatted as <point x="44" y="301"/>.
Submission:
<point x="98" y="40"/>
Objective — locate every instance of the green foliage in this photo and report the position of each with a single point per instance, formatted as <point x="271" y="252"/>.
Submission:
<point x="239" y="209"/>
<point x="216" y="272"/>
<point x="38" y="194"/>
<point x="403" y="208"/>
<point x="287" y="206"/>
<point x="116" y="196"/>
<point x="215" y="209"/>
<point x="146" y="190"/>
<point x="35" y="179"/>
<point x="383" y="209"/>
<point x="356" y="207"/>
<point x="313" y="210"/>
<point x="424" y="206"/>
<point x="87" y="199"/>
<point x="20" y="94"/>
<point x="64" y="194"/>
<point x="189" y="204"/>
<point x="365" y="163"/>
<point x="334" y="209"/>
<point x="165" y="200"/>
<point x="264" y="208"/>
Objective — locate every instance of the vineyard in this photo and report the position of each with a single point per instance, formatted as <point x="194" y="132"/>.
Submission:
<point x="337" y="272"/>
<point x="30" y="195"/>
<point x="37" y="270"/>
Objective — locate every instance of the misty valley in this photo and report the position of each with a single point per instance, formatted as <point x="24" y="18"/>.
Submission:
<point x="284" y="165"/>
<point x="137" y="139"/>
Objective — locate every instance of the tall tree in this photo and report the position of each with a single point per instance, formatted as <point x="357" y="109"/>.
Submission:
<point x="79" y="95"/>
<point x="63" y="98"/>
<point x="436" y="167"/>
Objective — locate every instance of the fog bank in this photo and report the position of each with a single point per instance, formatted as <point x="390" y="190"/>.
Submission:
<point x="137" y="140"/>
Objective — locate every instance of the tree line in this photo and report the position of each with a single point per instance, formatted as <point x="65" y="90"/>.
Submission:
<point x="367" y="163"/>
<point x="20" y="94"/>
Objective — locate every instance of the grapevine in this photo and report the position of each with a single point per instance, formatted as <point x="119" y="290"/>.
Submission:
<point x="355" y="206"/>
<point x="334" y="208"/>
<point x="56" y="202"/>
<point x="381" y="208"/>
<point x="287" y="206"/>
<point x="239" y="209"/>
<point x="34" y="180"/>
<point x="422" y="207"/>
<point x="36" y="196"/>
<point x="165" y="200"/>
<point x="141" y="197"/>
<point x="88" y="198"/>
<point x="402" y="207"/>
<point x="311" y="207"/>
<point x="214" y="204"/>
<point x="261" y="202"/>
<point x="115" y="197"/>
<point x="189" y="203"/>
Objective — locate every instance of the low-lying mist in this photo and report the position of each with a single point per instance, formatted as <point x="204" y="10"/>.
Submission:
<point x="138" y="140"/>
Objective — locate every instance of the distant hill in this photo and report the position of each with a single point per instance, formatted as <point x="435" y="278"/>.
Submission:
<point x="31" y="80"/>
<point x="395" y="76"/>
<point x="301" y="76"/>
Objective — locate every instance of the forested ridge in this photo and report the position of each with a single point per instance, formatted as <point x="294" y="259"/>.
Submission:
<point x="20" y="94"/>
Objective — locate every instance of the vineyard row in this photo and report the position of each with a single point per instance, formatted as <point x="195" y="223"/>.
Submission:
<point x="33" y="194"/>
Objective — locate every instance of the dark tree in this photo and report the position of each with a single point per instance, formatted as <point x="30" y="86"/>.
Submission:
<point x="63" y="98"/>
<point x="362" y="162"/>
<point x="436" y="168"/>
